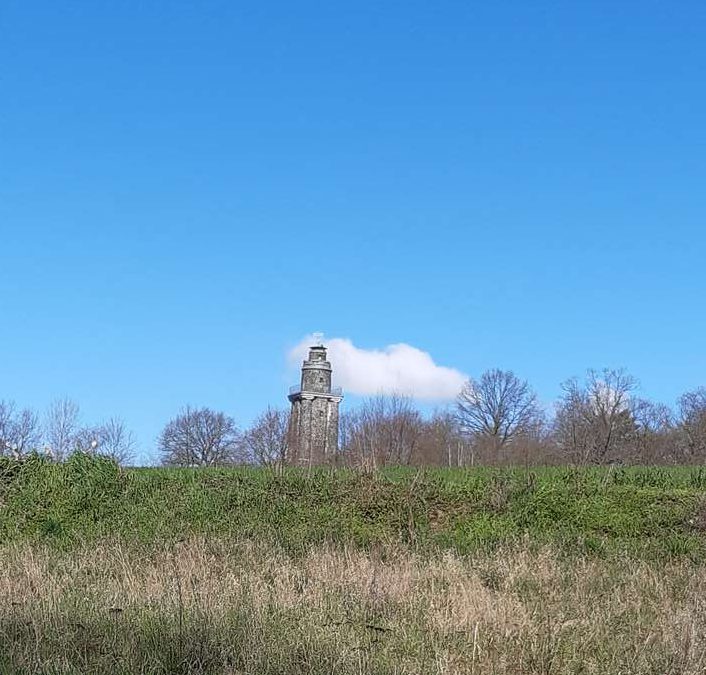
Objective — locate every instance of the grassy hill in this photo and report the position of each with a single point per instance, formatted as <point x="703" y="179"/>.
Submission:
<point x="437" y="572"/>
<point x="648" y="512"/>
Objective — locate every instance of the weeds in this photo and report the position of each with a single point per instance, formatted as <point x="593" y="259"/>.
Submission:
<point x="217" y="606"/>
<point x="647" y="513"/>
<point x="159" y="571"/>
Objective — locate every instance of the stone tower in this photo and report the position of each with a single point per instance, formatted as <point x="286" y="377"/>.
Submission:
<point x="313" y="424"/>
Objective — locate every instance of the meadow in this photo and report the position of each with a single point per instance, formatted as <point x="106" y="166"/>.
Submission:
<point x="556" y="570"/>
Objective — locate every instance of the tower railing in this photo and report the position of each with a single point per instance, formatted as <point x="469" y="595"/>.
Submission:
<point x="297" y="389"/>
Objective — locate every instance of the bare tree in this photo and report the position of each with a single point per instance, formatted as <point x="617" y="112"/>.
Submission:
<point x="200" y="437"/>
<point x="594" y="422"/>
<point x="7" y="409"/>
<point x="441" y="442"/>
<point x="350" y="441"/>
<point x="536" y="445"/>
<point x="19" y="430"/>
<point x="61" y="426"/>
<point x="384" y="430"/>
<point x="497" y="409"/>
<point x="116" y="441"/>
<point x="111" y="439"/>
<point x="85" y="439"/>
<point x="653" y="439"/>
<point x="692" y="424"/>
<point x="65" y="435"/>
<point x="266" y="440"/>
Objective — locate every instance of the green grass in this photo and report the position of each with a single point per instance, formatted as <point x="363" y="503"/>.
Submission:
<point x="648" y="512"/>
<point x="403" y="572"/>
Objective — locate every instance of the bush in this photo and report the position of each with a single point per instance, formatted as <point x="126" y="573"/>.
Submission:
<point x="651" y="512"/>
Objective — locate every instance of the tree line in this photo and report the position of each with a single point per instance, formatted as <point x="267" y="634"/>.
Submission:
<point x="60" y="431"/>
<point x="496" y="419"/>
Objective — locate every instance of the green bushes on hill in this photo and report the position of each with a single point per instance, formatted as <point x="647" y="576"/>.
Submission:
<point x="651" y="512"/>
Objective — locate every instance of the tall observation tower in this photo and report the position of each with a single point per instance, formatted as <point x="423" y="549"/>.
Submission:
<point x="313" y="424"/>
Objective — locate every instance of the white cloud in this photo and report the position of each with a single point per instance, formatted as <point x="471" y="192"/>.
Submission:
<point x="398" y="368"/>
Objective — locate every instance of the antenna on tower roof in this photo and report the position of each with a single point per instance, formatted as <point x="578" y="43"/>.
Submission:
<point x="318" y="339"/>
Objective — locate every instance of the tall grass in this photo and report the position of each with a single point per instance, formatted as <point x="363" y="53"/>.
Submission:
<point x="217" y="606"/>
<point x="156" y="571"/>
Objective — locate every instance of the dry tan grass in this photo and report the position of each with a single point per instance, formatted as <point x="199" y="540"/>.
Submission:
<point x="219" y="606"/>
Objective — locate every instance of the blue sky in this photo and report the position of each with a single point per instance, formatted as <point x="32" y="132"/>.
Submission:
<point x="187" y="189"/>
